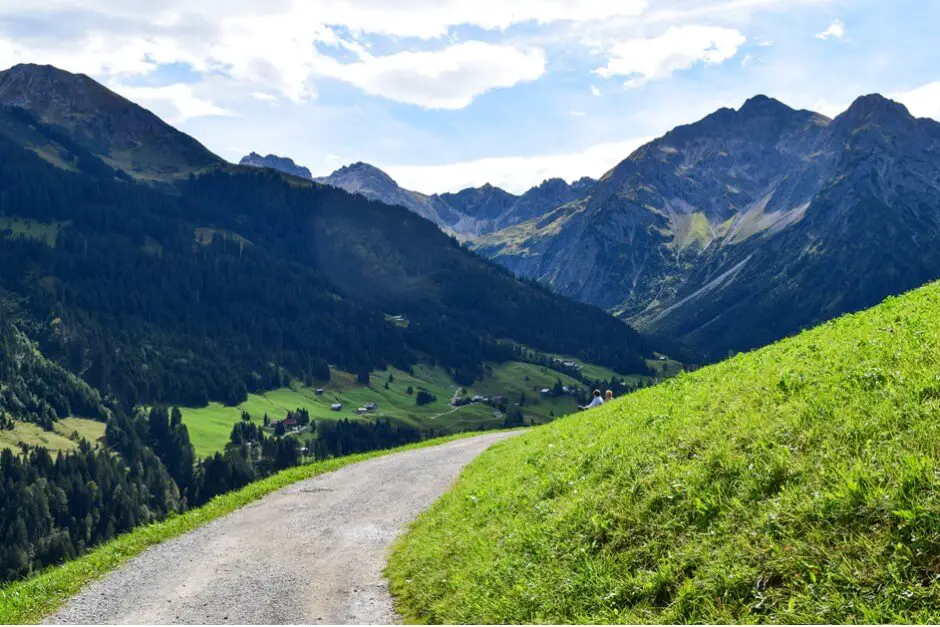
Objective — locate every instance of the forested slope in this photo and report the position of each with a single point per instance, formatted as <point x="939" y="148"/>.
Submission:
<point x="238" y="279"/>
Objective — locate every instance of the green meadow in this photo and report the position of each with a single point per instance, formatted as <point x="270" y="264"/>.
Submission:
<point x="30" y="229"/>
<point x="210" y="426"/>
<point x="799" y="483"/>
<point x="63" y="437"/>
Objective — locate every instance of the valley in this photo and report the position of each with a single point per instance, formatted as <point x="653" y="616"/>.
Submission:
<point x="512" y="382"/>
<point x="181" y="336"/>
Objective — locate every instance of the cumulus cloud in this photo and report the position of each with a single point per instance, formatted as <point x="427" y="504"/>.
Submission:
<point x="425" y="19"/>
<point x="679" y="48"/>
<point x="178" y="101"/>
<point x="923" y="101"/>
<point x="449" y="78"/>
<point x="595" y="91"/>
<point x="263" y="96"/>
<point x="280" y="46"/>
<point x="514" y="174"/>
<point x="836" y="30"/>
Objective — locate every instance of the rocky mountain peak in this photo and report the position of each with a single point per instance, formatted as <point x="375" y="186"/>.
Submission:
<point x="761" y="105"/>
<point x="275" y="162"/>
<point x="875" y="108"/>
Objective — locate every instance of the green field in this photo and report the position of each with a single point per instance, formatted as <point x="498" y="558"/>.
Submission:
<point x="60" y="439"/>
<point x="799" y="483"/>
<point x="44" y="232"/>
<point x="209" y="427"/>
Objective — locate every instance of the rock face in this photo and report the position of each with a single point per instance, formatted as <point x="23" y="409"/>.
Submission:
<point x="124" y="135"/>
<point x="276" y="163"/>
<point x="747" y="225"/>
<point x="374" y="184"/>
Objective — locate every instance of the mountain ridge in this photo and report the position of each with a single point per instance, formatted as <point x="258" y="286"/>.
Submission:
<point x="467" y="213"/>
<point x="670" y="237"/>
<point x="123" y="134"/>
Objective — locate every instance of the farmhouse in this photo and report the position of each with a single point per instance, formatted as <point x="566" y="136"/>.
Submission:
<point x="319" y="391"/>
<point x="336" y="406"/>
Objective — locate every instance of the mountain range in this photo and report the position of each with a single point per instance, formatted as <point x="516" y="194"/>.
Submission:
<point x="734" y="231"/>
<point x="466" y="214"/>
<point x="748" y="225"/>
<point x="723" y="235"/>
<point x="162" y="288"/>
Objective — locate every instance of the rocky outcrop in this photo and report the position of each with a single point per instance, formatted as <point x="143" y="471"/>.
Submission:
<point x="283" y="164"/>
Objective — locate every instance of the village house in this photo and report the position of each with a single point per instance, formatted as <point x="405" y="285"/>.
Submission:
<point x="336" y="406"/>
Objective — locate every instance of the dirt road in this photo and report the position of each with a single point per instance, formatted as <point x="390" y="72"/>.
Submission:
<point x="311" y="553"/>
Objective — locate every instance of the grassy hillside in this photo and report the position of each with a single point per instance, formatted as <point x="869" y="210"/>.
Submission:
<point x="63" y="437"/>
<point x="798" y="483"/>
<point x="209" y="427"/>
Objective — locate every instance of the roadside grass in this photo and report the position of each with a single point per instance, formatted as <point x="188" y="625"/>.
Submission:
<point x="57" y="440"/>
<point x="30" y="600"/>
<point x="799" y="483"/>
<point x="210" y="426"/>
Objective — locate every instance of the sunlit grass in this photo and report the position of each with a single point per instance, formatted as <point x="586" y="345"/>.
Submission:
<point x="797" y="483"/>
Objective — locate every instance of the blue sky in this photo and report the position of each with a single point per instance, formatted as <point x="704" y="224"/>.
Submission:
<point x="445" y="94"/>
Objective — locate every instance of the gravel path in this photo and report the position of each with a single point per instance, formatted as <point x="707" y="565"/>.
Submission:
<point x="310" y="553"/>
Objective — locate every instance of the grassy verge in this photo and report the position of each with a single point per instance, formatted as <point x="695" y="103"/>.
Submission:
<point x="799" y="483"/>
<point x="28" y="601"/>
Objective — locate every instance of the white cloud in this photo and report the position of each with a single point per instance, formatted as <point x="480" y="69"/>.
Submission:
<point x="183" y="104"/>
<point x="595" y="91"/>
<point x="263" y="96"/>
<point x="828" y="109"/>
<point x="449" y="78"/>
<point x="514" y="174"/>
<point x="678" y="48"/>
<point x="765" y="43"/>
<point x="747" y="60"/>
<point x="923" y="101"/>
<point x="576" y="114"/>
<point x="425" y="19"/>
<point x="836" y="30"/>
<point x="96" y="54"/>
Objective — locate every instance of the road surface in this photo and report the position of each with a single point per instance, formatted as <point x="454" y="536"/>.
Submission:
<point x="311" y="553"/>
